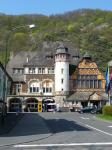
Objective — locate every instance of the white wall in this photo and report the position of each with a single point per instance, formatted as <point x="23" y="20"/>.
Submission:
<point x="59" y="76"/>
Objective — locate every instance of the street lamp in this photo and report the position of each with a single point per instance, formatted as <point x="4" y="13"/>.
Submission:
<point x="6" y="53"/>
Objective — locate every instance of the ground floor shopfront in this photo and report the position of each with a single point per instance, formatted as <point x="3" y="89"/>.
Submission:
<point x="32" y="103"/>
<point x="28" y="103"/>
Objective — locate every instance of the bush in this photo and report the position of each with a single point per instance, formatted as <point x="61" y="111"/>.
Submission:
<point x="107" y="110"/>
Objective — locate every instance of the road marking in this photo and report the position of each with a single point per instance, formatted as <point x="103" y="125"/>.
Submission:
<point x="63" y="145"/>
<point x="91" y="127"/>
<point x="110" y="126"/>
<point x="84" y="118"/>
<point x="98" y="130"/>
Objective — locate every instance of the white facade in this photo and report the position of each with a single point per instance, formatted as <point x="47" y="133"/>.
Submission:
<point x="62" y="71"/>
<point x="62" y="77"/>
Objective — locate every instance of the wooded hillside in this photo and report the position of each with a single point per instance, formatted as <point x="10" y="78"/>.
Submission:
<point x="85" y="30"/>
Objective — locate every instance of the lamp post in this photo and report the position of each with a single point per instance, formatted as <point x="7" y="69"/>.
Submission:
<point x="6" y="54"/>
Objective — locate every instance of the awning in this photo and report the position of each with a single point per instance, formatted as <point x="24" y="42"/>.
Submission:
<point x="79" y="96"/>
<point x="87" y="96"/>
<point x="98" y="97"/>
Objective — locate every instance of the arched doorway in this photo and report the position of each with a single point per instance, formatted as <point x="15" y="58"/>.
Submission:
<point x="31" y="105"/>
<point x="15" y="105"/>
<point x="46" y="102"/>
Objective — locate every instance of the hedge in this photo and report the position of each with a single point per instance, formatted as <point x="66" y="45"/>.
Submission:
<point x="107" y="110"/>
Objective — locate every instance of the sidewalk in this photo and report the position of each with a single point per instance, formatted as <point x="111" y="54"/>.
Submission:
<point x="10" y="121"/>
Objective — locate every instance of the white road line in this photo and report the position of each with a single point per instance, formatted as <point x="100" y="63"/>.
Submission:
<point x="65" y="145"/>
<point x="91" y="127"/>
<point x="84" y="118"/>
<point x="98" y="130"/>
<point x="110" y="126"/>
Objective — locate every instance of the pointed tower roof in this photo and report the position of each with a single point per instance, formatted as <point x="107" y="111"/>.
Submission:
<point x="86" y="56"/>
<point x="62" y="49"/>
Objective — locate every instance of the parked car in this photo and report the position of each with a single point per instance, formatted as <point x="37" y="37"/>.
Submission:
<point x="87" y="109"/>
<point x="97" y="111"/>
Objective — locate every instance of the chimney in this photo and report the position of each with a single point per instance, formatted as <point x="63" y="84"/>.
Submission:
<point x="27" y="58"/>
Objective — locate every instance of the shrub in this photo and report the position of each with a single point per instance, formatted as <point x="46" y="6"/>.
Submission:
<point x="107" y="110"/>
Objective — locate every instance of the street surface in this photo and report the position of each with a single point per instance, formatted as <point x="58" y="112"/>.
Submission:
<point x="60" y="131"/>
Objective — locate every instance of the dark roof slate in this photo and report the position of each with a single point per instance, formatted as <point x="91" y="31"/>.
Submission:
<point x="85" y="96"/>
<point x="41" y="60"/>
<point x="79" y="96"/>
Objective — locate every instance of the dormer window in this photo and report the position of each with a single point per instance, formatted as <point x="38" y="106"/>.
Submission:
<point x="39" y="70"/>
<point x="75" y="57"/>
<point x="49" y="57"/>
<point x="50" y="70"/>
<point x="33" y="70"/>
<point x="43" y="70"/>
<point x="30" y="70"/>
<point x="18" y="71"/>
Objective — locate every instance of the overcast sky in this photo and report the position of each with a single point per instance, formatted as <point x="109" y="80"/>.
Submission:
<point x="50" y="7"/>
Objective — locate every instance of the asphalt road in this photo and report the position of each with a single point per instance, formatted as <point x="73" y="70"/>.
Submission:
<point x="63" y="131"/>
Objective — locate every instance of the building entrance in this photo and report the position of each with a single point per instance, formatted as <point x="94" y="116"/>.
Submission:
<point x="31" y="105"/>
<point x="46" y="104"/>
<point x="15" y="105"/>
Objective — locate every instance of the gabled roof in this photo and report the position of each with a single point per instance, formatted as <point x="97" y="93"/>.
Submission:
<point x="17" y="62"/>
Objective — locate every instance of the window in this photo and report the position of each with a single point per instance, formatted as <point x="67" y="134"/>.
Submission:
<point x="91" y="84"/>
<point x="62" y="81"/>
<point x="83" y="84"/>
<point x="99" y="84"/>
<point x="47" y="90"/>
<point x="87" y="81"/>
<point x="49" y="70"/>
<point x="14" y="71"/>
<point x="62" y="70"/>
<point x="43" y="89"/>
<point x="37" y="89"/>
<point x="43" y="70"/>
<point x="50" y="89"/>
<point x="30" y="70"/>
<point x="33" y="70"/>
<point x="34" y="87"/>
<point x="78" y="83"/>
<point x="87" y="84"/>
<point x="95" y="84"/>
<point x="52" y="70"/>
<point x="30" y="89"/>
<point x="18" y="88"/>
<point x="39" y="70"/>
